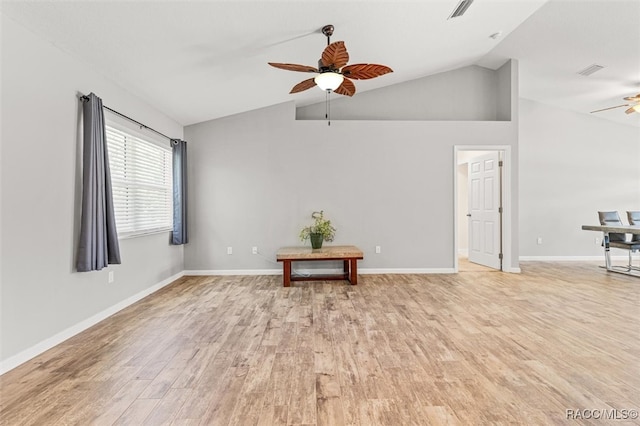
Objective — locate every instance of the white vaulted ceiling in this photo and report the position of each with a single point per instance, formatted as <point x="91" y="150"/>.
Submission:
<point x="197" y="60"/>
<point x="565" y="37"/>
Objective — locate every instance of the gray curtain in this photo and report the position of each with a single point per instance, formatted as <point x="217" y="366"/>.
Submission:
<point x="98" y="245"/>
<point x="180" y="234"/>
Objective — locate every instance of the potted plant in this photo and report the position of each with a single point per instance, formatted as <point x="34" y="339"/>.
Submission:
<point x="320" y="231"/>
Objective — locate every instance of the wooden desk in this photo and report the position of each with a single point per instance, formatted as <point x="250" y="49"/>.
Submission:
<point x="606" y="230"/>
<point x="348" y="254"/>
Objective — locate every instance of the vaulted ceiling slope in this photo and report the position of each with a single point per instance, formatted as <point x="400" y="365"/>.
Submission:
<point x="197" y="61"/>
<point x="565" y="37"/>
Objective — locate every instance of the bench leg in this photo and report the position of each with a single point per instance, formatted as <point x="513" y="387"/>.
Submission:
<point x="286" y="273"/>
<point x="354" y="271"/>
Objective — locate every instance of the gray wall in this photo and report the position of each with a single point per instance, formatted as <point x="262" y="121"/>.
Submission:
<point x="465" y="94"/>
<point x="256" y="177"/>
<point x="506" y="102"/>
<point x="42" y="295"/>
<point x="571" y="166"/>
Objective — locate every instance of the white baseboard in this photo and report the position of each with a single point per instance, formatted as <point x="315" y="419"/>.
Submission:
<point x="233" y="272"/>
<point x="24" y="356"/>
<point x="464" y="252"/>
<point x="366" y="271"/>
<point x="370" y="271"/>
<point x="569" y="258"/>
<point x="362" y="271"/>
<point x="511" y="270"/>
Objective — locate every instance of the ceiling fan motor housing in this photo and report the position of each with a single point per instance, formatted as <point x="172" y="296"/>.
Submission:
<point x="322" y="68"/>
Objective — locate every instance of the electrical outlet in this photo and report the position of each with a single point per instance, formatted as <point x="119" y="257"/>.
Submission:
<point x="597" y="241"/>
<point x="378" y="250"/>
<point x="110" y="279"/>
<point x="229" y="250"/>
<point x="254" y="250"/>
<point x="539" y="240"/>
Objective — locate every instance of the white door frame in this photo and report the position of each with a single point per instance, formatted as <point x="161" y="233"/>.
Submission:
<point x="507" y="265"/>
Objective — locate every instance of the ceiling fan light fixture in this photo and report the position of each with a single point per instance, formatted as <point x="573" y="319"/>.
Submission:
<point x="329" y="80"/>
<point x="636" y="108"/>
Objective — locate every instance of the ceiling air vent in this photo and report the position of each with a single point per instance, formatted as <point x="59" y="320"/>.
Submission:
<point x="461" y="8"/>
<point x="590" y="70"/>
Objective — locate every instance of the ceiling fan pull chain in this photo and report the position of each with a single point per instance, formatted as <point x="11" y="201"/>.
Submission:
<point x="326" y="105"/>
<point x="329" y="106"/>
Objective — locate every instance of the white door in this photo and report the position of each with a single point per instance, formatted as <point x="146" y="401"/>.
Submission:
<point x="484" y="210"/>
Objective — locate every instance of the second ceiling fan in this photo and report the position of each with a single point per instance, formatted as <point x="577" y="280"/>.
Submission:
<point x="334" y="75"/>
<point x="634" y="105"/>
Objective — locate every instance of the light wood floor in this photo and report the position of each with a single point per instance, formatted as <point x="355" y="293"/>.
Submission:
<point x="465" y="266"/>
<point x="469" y="348"/>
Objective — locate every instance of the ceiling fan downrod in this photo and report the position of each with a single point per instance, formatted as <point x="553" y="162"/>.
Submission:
<point x="327" y="30"/>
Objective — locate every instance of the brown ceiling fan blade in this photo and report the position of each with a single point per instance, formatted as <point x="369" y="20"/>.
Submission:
<point x="303" y="85"/>
<point x="294" y="67"/>
<point x="365" y="71"/>
<point x="635" y="98"/>
<point x="347" y="88"/>
<point x="606" y="109"/>
<point x="630" y="110"/>
<point x="335" y="55"/>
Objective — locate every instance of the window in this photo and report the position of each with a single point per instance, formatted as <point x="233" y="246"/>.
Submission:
<point x="141" y="176"/>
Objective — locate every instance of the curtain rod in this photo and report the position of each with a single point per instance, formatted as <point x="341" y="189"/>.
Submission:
<point x="85" y="98"/>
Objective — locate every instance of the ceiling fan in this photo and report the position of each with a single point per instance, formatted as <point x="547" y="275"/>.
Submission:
<point x="334" y="75"/>
<point x="634" y="105"/>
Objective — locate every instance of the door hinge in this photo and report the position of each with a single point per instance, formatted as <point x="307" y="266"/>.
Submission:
<point x="500" y="256"/>
<point x="500" y="164"/>
<point x="499" y="209"/>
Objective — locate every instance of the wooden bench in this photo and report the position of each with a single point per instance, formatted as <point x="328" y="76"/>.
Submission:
<point x="348" y="254"/>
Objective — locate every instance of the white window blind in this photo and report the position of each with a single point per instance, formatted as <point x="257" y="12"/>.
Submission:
<point x="141" y="176"/>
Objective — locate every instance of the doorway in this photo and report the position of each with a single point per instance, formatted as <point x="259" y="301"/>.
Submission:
<point x="482" y="186"/>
